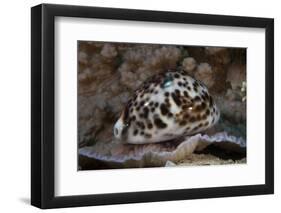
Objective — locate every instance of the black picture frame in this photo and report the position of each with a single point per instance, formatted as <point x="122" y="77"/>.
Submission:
<point x="43" y="102"/>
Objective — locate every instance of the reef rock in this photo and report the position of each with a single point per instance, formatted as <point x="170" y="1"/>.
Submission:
<point x="116" y="155"/>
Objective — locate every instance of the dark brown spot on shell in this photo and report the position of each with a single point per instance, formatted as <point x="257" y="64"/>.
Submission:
<point x="164" y="109"/>
<point x="145" y="112"/>
<point x="204" y="116"/>
<point x="192" y="119"/>
<point x="168" y="104"/>
<point x="159" y="123"/>
<point x="186" y="116"/>
<point x="203" y="105"/>
<point x="147" y="135"/>
<point x="176" y="75"/>
<point x="170" y="114"/>
<point x="205" y="96"/>
<point x="141" y="124"/>
<point x="195" y="84"/>
<point x="195" y="128"/>
<point x="141" y="103"/>
<point x="126" y="114"/>
<point x="130" y="103"/>
<point x="135" y="132"/>
<point x="149" y="125"/>
<point x="176" y="99"/>
<point x="200" y="83"/>
<point x="183" y="122"/>
<point x="196" y="99"/>
<point x="211" y="101"/>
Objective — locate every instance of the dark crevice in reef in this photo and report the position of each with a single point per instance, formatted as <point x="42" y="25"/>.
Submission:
<point x="221" y="153"/>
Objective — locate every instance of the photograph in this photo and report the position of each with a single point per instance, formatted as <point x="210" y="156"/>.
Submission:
<point x="139" y="105"/>
<point x="160" y="105"/>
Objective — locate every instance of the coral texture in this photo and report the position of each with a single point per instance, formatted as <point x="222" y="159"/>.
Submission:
<point x="119" y="155"/>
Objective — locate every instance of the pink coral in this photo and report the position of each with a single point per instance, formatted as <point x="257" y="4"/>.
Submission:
<point x="205" y="74"/>
<point x="189" y="64"/>
<point x="108" y="51"/>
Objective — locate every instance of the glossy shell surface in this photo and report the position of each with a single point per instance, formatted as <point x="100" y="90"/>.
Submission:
<point x="167" y="106"/>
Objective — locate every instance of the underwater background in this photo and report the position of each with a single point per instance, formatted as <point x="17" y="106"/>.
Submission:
<point x="109" y="74"/>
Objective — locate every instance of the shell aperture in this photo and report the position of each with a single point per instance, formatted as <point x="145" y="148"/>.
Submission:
<point x="169" y="105"/>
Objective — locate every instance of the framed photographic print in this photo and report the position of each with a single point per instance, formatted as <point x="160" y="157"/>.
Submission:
<point x="140" y="106"/>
